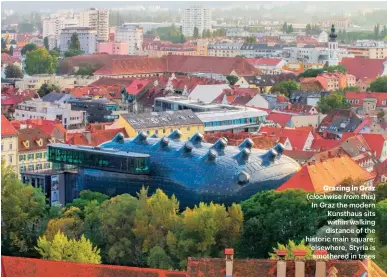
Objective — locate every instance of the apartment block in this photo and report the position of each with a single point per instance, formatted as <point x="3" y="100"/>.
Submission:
<point x="198" y="17"/>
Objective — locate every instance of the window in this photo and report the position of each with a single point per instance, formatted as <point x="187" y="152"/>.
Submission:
<point x="10" y="159"/>
<point x="30" y="167"/>
<point x="22" y="169"/>
<point x="22" y="157"/>
<point x="39" y="155"/>
<point x="2" y="147"/>
<point x="31" y="156"/>
<point x="10" y="146"/>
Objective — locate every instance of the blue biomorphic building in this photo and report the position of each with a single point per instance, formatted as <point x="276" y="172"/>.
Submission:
<point x="192" y="170"/>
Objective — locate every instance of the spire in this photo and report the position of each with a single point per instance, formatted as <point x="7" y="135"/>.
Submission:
<point x="333" y="35"/>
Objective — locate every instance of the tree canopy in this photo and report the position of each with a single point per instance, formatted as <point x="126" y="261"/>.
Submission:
<point x="196" y="32"/>
<point x="74" y="42"/>
<point x="61" y="248"/>
<point x="28" y="47"/>
<point x="332" y="101"/>
<point x="290" y="247"/>
<point x="45" y="43"/>
<point x="232" y="79"/>
<point x="13" y="71"/>
<point x="172" y="34"/>
<point x="47" y="88"/>
<point x="379" y="85"/>
<point x="285" y="87"/>
<point x="40" y="61"/>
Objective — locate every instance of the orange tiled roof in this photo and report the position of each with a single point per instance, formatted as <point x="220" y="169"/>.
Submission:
<point x="331" y="172"/>
<point x="7" y="128"/>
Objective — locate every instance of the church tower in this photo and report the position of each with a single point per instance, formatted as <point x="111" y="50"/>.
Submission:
<point x="333" y="46"/>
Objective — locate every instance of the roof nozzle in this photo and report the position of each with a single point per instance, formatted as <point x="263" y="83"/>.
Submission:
<point x="188" y="146"/>
<point x="175" y="135"/>
<point x="211" y="155"/>
<point x="154" y="136"/>
<point x="142" y="136"/>
<point x="118" y="138"/>
<point x="243" y="178"/>
<point x="247" y="143"/>
<point x="164" y="142"/>
<point x="279" y="148"/>
<point x="269" y="157"/>
<point x="221" y="144"/>
<point x="197" y="138"/>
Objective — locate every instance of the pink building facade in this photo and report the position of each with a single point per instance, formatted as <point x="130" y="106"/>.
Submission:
<point x="113" y="48"/>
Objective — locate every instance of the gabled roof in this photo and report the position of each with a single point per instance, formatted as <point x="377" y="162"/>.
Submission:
<point x="361" y="67"/>
<point x="380" y="170"/>
<point x="381" y="98"/>
<point x="322" y="144"/>
<point x="29" y="138"/>
<point x="375" y="142"/>
<point x="17" y="267"/>
<point x="331" y="172"/>
<point x="264" y="61"/>
<point x="137" y="86"/>
<point x="53" y="96"/>
<point x="280" y="118"/>
<point x="94" y="138"/>
<point x="7" y="128"/>
<point x="47" y="126"/>
<point x="297" y="137"/>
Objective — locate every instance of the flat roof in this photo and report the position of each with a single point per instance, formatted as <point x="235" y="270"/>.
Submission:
<point x="99" y="150"/>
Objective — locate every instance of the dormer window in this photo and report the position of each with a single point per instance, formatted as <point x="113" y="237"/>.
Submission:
<point x="39" y="142"/>
<point x="26" y="143"/>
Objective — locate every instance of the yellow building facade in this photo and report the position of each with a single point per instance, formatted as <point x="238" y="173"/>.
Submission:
<point x="9" y="144"/>
<point x="161" y="124"/>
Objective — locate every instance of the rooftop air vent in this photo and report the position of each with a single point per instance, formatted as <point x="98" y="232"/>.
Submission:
<point x="279" y="148"/>
<point x="197" y="138"/>
<point x="243" y="178"/>
<point x="211" y="155"/>
<point x="269" y="157"/>
<point x="188" y="146"/>
<point x="175" y="135"/>
<point x="142" y="136"/>
<point x="164" y="142"/>
<point x="220" y="144"/>
<point x="247" y="143"/>
<point x="118" y="138"/>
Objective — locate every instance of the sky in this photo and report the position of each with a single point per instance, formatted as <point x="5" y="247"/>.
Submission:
<point x="46" y="6"/>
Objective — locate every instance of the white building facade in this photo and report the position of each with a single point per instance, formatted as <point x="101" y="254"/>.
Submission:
<point x="97" y="19"/>
<point x="131" y="34"/>
<point x="35" y="109"/>
<point x="87" y="38"/>
<point x="198" y="17"/>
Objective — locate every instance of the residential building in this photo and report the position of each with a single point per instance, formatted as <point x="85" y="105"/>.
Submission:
<point x="95" y="110"/>
<point x="6" y="60"/>
<point x="53" y="25"/>
<point x="367" y="102"/>
<point x="269" y="66"/>
<point x="36" y="81"/>
<point x="9" y="144"/>
<point x="224" y="49"/>
<point x="292" y="139"/>
<point x="132" y="35"/>
<point x="173" y="49"/>
<point x="32" y="149"/>
<point x="160" y="124"/>
<point x="113" y="48"/>
<point x="38" y="109"/>
<point x="53" y="128"/>
<point x="307" y="98"/>
<point x="261" y="50"/>
<point x="338" y="122"/>
<point x="263" y="83"/>
<point x="149" y="26"/>
<point x="313" y="120"/>
<point x="98" y="19"/>
<point x="369" y="49"/>
<point x="237" y="32"/>
<point x="328" y="81"/>
<point x="87" y="38"/>
<point x="335" y="170"/>
<point x="196" y="17"/>
<point x="202" y="47"/>
<point x="339" y="22"/>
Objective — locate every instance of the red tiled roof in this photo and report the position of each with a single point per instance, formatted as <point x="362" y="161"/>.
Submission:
<point x="94" y="138"/>
<point x="363" y="68"/>
<point x="298" y="108"/>
<point x="264" y="61"/>
<point x="280" y="118"/>
<point x="17" y="267"/>
<point x="322" y="144"/>
<point x="380" y="96"/>
<point x="7" y="128"/>
<point x="375" y="142"/>
<point x="173" y="63"/>
<point x="47" y="126"/>
<point x="331" y="172"/>
<point x="297" y="137"/>
<point x="380" y="170"/>
<point x="137" y="86"/>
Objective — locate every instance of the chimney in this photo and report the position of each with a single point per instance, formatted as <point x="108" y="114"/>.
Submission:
<point x="300" y="262"/>
<point x="87" y="135"/>
<point x="321" y="266"/>
<point x="281" y="263"/>
<point x="229" y="252"/>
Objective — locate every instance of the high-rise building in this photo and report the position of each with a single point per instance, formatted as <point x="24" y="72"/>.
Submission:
<point x="87" y="38"/>
<point x="97" y="19"/>
<point x="198" y="17"/>
<point x="131" y="34"/>
<point x="53" y="25"/>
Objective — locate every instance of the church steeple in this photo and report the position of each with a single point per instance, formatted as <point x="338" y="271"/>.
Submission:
<point x="332" y="35"/>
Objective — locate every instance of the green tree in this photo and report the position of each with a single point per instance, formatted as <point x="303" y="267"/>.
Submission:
<point x="285" y="28"/>
<point x="290" y="247"/>
<point x="85" y="197"/>
<point x="158" y="258"/>
<point x="55" y="52"/>
<point x="251" y="40"/>
<point x="350" y="89"/>
<point x="339" y="68"/>
<point x="289" y="29"/>
<point x="381" y="191"/>
<point x="47" y="88"/>
<point x="268" y="223"/>
<point x="332" y="101"/>
<point x="74" y="43"/>
<point x="61" y="248"/>
<point x="70" y="224"/>
<point x="196" y="32"/>
<point x="13" y="71"/>
<point x="23" y="212"/>
<point x="45" y="43"/>
<point x="285" y="87"/>
<point x="10" y="51"/>
<point x="379" y="85"/>
<point x="232" y="79"/>
<point x="39" y="61"/>
<point x="312" y="72"/>
<point x="377" y="31"/>
<point x="28" y="47"/>
<point x="72" y="53"/>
